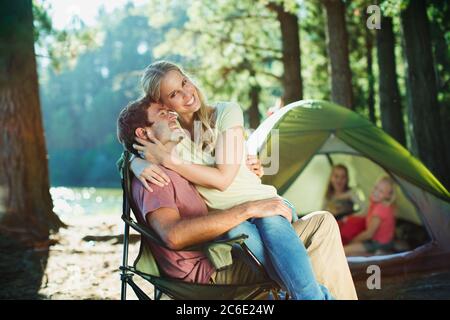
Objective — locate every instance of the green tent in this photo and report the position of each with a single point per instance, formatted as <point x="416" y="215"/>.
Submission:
<point x="298" y="145"/>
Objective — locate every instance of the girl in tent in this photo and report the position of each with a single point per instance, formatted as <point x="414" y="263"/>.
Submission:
<point x="339" y="198"/>
<point x="204" y="159"/>
<point x="379" y="229"/>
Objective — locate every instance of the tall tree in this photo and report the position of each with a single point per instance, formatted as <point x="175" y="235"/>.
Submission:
<point x="423" y="103"/>
<point x="23" y="161"/>
<point x="439" y="13"/>
<point x="390" y="101"/>
<point x="254" y="117"/>
<point x="337" y="41"/>
<point x="291" y="56"/>
<point x="315" y="64"/>
<point x="368" y="40"/>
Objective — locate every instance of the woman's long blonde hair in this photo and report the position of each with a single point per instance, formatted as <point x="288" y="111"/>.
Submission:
<point x="151" y="83"/>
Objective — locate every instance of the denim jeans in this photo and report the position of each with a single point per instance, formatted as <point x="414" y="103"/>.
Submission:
<point x="279" y="249"/>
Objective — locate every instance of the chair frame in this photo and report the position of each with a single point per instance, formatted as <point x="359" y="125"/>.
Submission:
<point x="127" y="271"/>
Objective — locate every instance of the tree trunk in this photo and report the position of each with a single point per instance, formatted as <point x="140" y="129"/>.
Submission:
<point x="290" y="39"/>
<point x="368" y="37"/>
<point x="441" y="58"/>
<point x="253" y="111"/>
<point x="27" y="204"/>
<point x="423" y="103"/>
<point x="390" y="102"/>
<point x="337" y="42"/>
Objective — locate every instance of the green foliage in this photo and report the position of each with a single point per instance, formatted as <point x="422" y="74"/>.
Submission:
<point x="42" y="21"/>
<point x="356" y="25"/>
<point x="81" y="102"/>
<point x="60" y="47"/>
<point x="229" y="46"/>
<point x="392" y="8"/>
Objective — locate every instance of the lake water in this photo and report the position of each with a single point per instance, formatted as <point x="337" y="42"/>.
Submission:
<point x="72" y="202"/>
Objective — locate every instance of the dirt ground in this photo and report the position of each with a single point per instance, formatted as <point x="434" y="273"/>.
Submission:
<point x="84" y="265"/>
<point x="75" y="268"/>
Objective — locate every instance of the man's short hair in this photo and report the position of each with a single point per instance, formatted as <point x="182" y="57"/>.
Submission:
<point x="133" y="116"/>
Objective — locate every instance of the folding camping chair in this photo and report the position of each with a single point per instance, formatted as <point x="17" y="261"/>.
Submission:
<point x="145" y="265"/>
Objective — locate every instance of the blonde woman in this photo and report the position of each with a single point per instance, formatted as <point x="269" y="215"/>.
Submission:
<point x="212" y="156"/>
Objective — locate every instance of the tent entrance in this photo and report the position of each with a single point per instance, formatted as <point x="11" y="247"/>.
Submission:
<point x="308" y="190"/>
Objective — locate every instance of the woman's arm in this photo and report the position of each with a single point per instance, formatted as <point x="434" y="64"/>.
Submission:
<point x="228" y="157"/>
<point x="146" y="171"/>
<point x="254" y="165"/>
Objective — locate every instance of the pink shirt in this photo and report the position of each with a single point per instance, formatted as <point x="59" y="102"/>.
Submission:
<point x="386" y="230"/>
<point x="181" y="195"/>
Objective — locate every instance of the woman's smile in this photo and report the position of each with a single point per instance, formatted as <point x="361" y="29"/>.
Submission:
<point x="191" y="102"/>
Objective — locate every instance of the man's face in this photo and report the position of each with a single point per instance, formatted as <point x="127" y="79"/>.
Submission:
<point x="164" y="126"/>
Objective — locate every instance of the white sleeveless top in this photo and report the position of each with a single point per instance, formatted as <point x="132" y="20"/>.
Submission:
<point x="246" y="185"/>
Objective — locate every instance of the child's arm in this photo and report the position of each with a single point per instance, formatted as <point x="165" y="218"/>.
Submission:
<point x="373" y="226"/>
<point x="359" y="200"/>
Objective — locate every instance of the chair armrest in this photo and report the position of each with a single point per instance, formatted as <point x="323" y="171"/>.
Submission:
<point x="235" y="240"/>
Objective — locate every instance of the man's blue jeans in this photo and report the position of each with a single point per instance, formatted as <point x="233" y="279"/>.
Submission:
<point x="275" y="244"/>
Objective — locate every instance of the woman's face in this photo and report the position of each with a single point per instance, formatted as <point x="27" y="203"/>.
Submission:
<point x="179" y="94"/>
<point x="339" y="179"/>
<point x="382" y="191"/>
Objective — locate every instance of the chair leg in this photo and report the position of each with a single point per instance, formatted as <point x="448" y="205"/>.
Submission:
<point x="255" y="260"/>
<point x="124" y="275"/>
<point x="123" y="292"/>
<point x="138" y="291"/>
<point x="157" y="294"/>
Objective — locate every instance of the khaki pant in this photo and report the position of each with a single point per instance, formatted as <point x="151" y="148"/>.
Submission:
<point x="320" y="234"/>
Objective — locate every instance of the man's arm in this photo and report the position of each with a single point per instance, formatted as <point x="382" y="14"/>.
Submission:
<point x="179" y="233"/>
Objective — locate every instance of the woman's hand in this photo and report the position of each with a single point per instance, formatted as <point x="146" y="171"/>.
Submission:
<point x="145" y="171"/>
<point x="254" y="165"/>
<point x="153" y="151"/>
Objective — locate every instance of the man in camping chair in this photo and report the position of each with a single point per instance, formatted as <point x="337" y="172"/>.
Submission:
<point x="178" y="214"/>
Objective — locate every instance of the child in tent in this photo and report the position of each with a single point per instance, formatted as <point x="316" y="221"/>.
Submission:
<point x="378" y="227"/>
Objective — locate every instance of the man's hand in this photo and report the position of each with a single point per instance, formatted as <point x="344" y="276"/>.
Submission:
<point x="254" y="165"/>
<point x="269" y="208"/>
